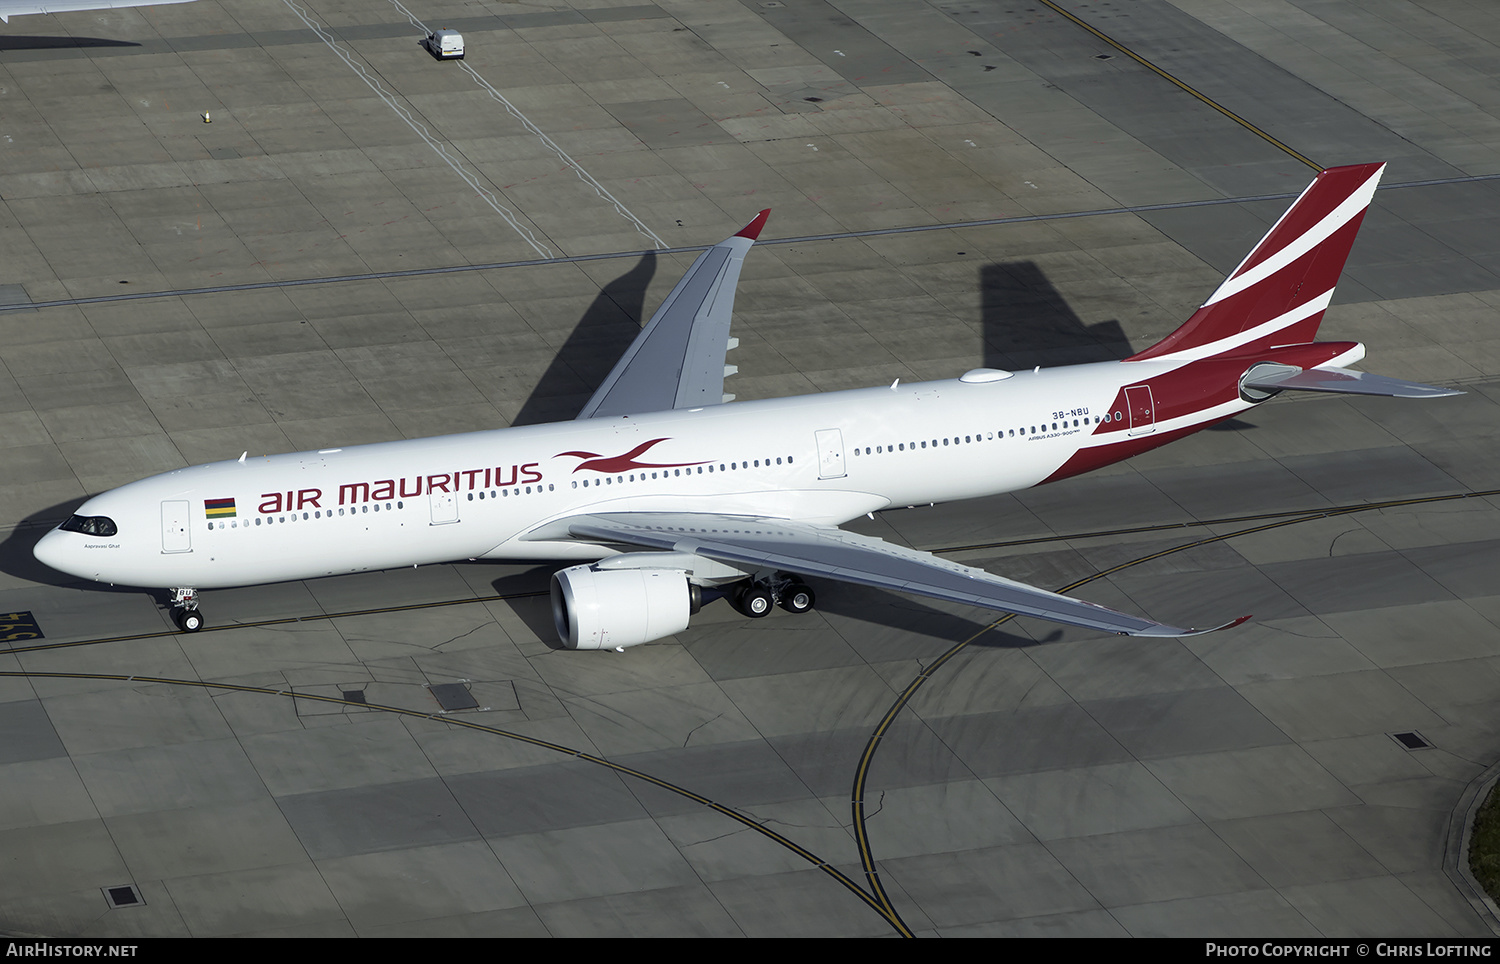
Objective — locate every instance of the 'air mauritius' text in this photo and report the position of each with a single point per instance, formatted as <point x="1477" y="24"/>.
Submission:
<point x="354" y="493"/>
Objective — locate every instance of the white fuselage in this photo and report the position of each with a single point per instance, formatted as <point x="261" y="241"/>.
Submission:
<point x="820" y="458"/>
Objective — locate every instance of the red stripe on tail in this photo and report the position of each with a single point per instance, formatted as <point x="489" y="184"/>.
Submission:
<point x="1281" y="285"/>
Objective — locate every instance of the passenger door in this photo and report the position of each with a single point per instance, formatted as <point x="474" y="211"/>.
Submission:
<point x="830" y="453"/>
<point x="1142" y="410"/>
<point x="176" y="533"/>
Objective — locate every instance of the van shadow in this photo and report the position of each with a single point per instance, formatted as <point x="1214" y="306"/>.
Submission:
<point x="1028" y="323"/>
<point x="596" y="343"/>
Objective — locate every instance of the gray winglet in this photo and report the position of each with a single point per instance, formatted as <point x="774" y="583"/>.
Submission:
<point x="677" y="361"/>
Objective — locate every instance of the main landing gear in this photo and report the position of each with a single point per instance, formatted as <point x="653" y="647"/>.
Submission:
<point x="187" y="616"/>
<point x="756" y="598"/>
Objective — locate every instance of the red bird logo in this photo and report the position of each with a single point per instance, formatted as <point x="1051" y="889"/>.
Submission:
<point x="622" y="463"/>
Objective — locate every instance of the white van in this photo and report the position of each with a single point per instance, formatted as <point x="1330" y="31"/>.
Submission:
<point x="446" y="44"/>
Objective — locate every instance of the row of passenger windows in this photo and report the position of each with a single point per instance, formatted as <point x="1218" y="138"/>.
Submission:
<point x="690" y="470"/>
<point x="314" y="514"/>
<point x="507" y="493"/>
<point x="1022" y="431"/>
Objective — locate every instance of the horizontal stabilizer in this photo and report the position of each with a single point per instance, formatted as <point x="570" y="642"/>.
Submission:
<point x="1343" y="381"/>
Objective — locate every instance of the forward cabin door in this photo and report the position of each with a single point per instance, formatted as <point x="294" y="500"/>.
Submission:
<point x="1142" y="409"/>
<point x="175" y="533"/>
<point x="830" y="453"/>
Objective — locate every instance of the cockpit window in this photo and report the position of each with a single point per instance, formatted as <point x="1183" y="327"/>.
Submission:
<point x="91" y="525"/>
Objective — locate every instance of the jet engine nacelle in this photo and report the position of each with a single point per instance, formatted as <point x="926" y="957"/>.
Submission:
<point x="597" y="608"/>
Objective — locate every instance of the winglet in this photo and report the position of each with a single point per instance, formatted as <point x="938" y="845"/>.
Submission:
<point x="1172" y="632"/>
<point x="1230" y="625"/>
<point x="753" y="229"/>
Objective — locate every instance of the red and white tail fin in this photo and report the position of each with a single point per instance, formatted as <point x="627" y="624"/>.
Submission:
<point x="1278" y="294"/>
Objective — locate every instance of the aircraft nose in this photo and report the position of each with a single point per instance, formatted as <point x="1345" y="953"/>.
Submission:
<point x="53" y="550"/>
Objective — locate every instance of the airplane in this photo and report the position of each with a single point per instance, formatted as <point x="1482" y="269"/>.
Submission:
<point x="16" y="8"/>
<point x="663" y="488"/>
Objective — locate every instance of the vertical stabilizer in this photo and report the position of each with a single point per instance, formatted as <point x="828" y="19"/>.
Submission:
<point x="1278" y="294"/>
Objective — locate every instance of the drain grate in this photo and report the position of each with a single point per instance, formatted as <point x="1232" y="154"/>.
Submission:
<point x="124" y="895"/>
<point x="1411" y="740"/>
<point x="453" y="696"/>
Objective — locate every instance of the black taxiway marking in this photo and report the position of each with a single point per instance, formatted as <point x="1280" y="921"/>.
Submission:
<point x="18" y="626"/>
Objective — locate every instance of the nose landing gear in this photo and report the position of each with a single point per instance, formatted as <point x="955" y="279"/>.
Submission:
<point x="186" y="615"/>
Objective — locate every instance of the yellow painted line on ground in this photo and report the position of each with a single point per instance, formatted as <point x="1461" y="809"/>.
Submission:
<point x="1181" y="84"/>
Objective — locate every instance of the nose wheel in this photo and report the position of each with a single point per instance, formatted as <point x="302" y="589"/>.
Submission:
<point x="187" y="616"/>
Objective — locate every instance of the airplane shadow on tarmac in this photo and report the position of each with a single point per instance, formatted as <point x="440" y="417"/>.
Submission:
<point x="1027" y="323"/>
<point x="595" y="344"/>
<point x="1025" y="319"/>
<point x="15" y="552"/>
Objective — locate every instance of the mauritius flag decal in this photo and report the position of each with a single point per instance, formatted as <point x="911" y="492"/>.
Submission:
<point x="219" y="508"/>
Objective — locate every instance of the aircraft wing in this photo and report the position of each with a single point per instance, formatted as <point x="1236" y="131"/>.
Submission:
<point x="15" y="8"/>
<point x="677" y="361"/>
<point x="756" y="543"/>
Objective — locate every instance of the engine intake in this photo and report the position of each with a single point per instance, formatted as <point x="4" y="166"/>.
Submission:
<point x="597" y="608"/>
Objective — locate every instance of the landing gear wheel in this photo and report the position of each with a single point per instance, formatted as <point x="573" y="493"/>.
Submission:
<point x="189" y="620"/>
<point x="797" y="598"/>
<point x="754" y="601"/>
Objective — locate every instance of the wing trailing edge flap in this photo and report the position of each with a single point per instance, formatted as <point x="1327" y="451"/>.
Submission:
<point x="677" y="361"/>
<point x="1344" y="381"/>
<point x="756" y="543"/>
